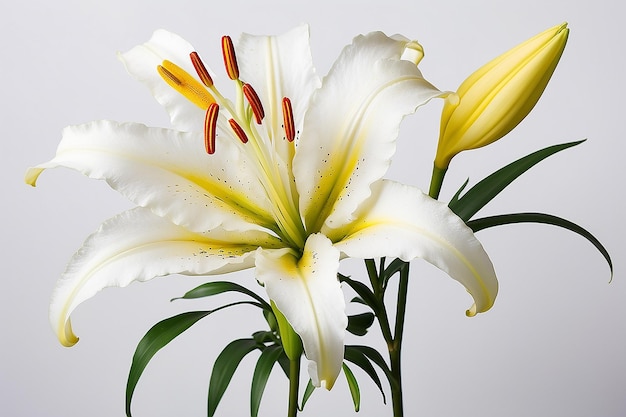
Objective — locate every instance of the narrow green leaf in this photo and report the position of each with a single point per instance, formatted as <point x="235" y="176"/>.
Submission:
<point x="362" y="290"/>
<point x="483" y="192"/>
<point x="219" y="287"/>
<point x="264" y="336"/>
<point x="393" y="267"/>
<point x="156" y="338"/>
<point x="456" y="195"/>
<point x="270" y="318"/>
<point x="358" y="300"/>
<point x="358" y="324"/>
<point x="224" y="368"/>
<point x="307" y="394"/>
<point x="354" y="387"/>
<point x="262" y="371"/>
<point x="354" y="355"/>
<point x="480" y="224"/>
<point x="283" y="361"/>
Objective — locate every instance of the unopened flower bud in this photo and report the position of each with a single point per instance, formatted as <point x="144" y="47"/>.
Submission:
<point x="497" y="97"/>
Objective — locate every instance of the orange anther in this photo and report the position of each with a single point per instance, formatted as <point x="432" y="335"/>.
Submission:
<point x="255" y="103"/>
<point x="290" y="128"/>
<point x="201" y="70"/>
<point x="238" y="131"/>
<point x="210" y="123"/>
<point x="230" y="59"/>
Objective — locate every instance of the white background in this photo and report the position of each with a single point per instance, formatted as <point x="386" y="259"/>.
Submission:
<point x="554" y="343"/>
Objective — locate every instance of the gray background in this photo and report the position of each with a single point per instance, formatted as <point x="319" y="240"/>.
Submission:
<point x="554" y="344"/>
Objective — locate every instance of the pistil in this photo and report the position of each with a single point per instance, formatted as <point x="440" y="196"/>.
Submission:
<point x="288" y="224"/>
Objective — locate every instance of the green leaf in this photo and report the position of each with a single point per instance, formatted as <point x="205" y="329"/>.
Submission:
<point x="224" y="368"/>
<point x="354" y="387"/>
<point x="358" y="300"/>
<point x="264" y="336"/>
<point x="262" y="371"/>
<point x="483" y="192"/>
<point x="480" y="224"/>
<point x="283" y="361"/>
<point x="307" y="393"/>
<point x="358" y="324"/>
<point x="156" y="338"/>
<point x="362" y="290"/>
<point x="356" y="356"/>
<point x="393" y="267"/>
<point x="270" y="318"/>
<point x="455" y="197"/>
<point x="219" y="287"/>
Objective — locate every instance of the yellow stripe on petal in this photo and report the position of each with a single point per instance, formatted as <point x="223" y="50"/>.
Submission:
<point x="66" y="334"/>
<point x="136" y="246"/>
<point x="306" y="291"/>
<point x="400" y="221"/>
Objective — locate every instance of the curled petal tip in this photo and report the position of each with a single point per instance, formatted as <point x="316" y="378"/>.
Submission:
<point x="472" y="311"/>
<point x="32" y="175"/>
<point x="413" y="52"/>
<point x="66" y="335"/>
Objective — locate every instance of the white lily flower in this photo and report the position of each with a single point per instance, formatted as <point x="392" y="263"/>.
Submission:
<point x="289" y="182"/>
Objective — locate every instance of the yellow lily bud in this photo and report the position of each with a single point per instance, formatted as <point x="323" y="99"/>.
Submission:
<point x="497" y="97"/>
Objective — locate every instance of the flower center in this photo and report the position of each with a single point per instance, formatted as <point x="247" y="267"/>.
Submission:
<point x="245" y="121"/>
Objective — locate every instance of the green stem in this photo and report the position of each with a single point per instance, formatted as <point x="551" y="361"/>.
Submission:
<point x="436" y="181"/>
<point x="378" y="278"/>
<point x="294" y="381"/>
<point x="395" y="352"/>
<point x="379" y="294"/>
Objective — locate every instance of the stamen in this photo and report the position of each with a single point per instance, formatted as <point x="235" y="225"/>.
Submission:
<point x="210" y="122"/>
<point x="255" y="103"/>
<point x="201" y="70"/>
<point x="238" y="131"/>
<point x="185" y="84"/>
<point x="290" y="128"/>
<point x="230" y="59"/>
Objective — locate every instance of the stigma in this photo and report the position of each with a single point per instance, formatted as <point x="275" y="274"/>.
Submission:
<point x="185" y="84"/>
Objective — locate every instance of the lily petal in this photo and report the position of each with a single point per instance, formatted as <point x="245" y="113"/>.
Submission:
<point x="400" y="221"/>
<point x="351" y="126"/>
<point x="141" y="62"/>
<point x="277" y="67"/>
<point x="307" y="292"/>
<point x="138" y="246"/>
<point x="167" y="171"/>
